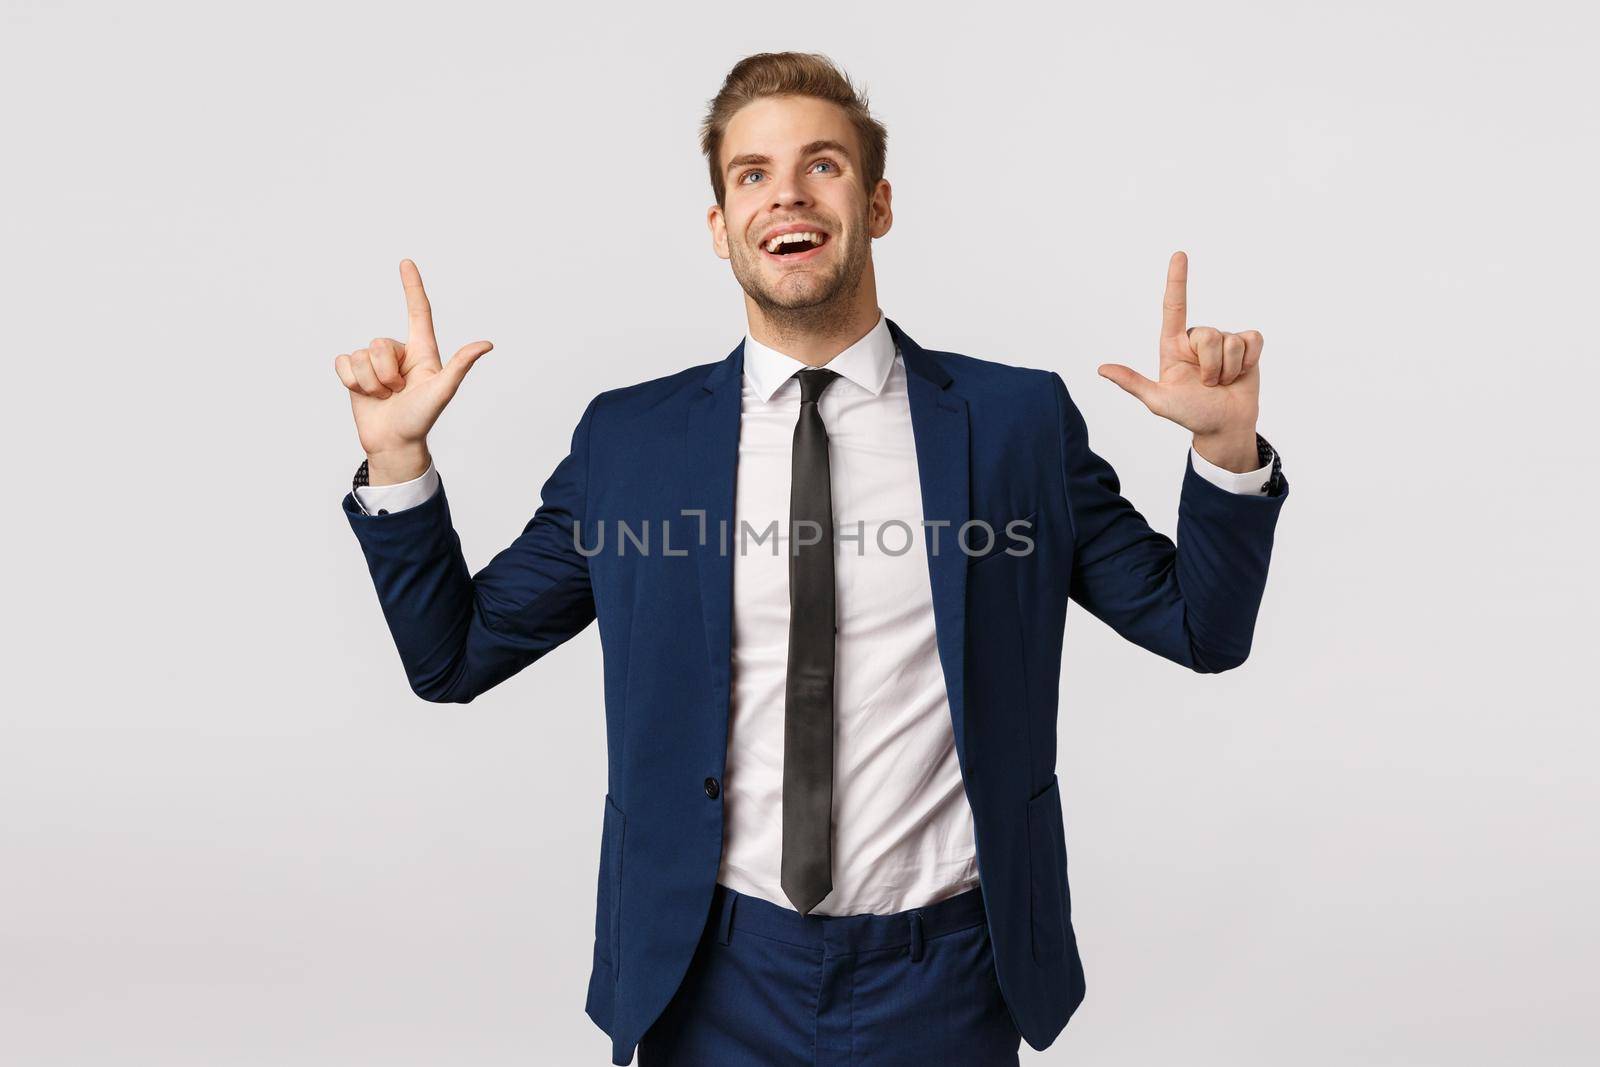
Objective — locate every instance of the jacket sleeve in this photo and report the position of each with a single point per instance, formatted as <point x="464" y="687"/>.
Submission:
<point x="1193" y="602"/>
<point x="461" y="634"/>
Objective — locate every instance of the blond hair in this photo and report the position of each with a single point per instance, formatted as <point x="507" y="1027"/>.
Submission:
<point x="767" y="74"/>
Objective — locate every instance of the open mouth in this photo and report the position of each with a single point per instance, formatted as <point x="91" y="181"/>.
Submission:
<point x="795" y="247"/>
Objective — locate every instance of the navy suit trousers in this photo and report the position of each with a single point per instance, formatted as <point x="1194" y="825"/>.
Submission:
<point x="768" y="986"/>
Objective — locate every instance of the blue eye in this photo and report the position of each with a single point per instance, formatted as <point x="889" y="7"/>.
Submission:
<point x="750" y="173"/>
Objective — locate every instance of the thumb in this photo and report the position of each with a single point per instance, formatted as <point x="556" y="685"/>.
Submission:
<point x="1130" y="380"/>
<point x="463" y="360"/>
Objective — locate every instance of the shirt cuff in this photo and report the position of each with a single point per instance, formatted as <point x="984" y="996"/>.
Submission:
<point x="383" y="499"/>
<point x="1250" y="483"/>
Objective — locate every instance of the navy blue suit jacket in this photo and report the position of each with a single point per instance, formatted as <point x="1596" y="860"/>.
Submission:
<point x="993" y="442"/>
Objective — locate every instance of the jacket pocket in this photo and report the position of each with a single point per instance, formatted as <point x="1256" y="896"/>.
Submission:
<point x="1009" y="541"/>
<point x="608" y="893"/>
<point x="1047" y="877"/>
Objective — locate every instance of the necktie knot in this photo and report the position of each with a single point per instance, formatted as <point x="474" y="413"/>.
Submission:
<point x="813" y="381"/>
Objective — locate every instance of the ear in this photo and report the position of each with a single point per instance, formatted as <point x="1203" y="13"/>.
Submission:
<point x="880" y="212"/>
<point x="718" y="226"/>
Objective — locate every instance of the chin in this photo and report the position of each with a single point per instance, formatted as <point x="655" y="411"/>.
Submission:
<point x="793" y="297"/>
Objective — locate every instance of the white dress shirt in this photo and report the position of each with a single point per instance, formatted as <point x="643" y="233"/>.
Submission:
<point x="903" y="830"/>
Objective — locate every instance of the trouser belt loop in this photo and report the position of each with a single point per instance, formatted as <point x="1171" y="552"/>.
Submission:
<point x="725" y="933"/>
<point x="916" y="935"/>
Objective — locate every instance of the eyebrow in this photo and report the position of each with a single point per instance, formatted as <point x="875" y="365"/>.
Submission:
<point x="807" y="150"/>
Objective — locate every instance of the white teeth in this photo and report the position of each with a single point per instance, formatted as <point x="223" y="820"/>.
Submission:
<point x="791" y="238"/>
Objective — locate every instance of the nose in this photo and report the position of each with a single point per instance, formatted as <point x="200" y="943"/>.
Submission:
<point x="787" y="192"/>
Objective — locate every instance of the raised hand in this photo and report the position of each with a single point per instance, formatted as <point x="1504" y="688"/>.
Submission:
<point x="1210" y="380"/>
<point x="397" y="391"/>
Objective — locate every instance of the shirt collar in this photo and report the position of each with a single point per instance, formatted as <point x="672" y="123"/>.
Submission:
<point x="866" y="363"/>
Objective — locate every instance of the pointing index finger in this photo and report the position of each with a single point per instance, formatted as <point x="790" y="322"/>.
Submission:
<point x="420" y="341"/>
<point x="1175" y="304"/>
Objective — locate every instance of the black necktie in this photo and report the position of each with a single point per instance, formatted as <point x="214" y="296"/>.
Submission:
<point x="807" y="874"/>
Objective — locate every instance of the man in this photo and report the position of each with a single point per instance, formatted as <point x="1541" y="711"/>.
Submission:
<point x="833" y="830"/>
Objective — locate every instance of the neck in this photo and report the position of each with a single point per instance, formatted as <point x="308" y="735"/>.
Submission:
<point x="814" y="335"/>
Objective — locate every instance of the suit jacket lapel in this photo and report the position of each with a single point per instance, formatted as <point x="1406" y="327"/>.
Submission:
<point x="939" y="425"/>
<point x="712" y="448"/>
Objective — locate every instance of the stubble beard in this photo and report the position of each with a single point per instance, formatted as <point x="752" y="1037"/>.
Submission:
<point x="820" y="305"/>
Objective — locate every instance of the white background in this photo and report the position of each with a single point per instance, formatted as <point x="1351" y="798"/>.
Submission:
<point x="229" y="833"/>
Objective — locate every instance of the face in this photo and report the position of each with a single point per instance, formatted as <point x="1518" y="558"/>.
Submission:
<point x="792" y="164"/>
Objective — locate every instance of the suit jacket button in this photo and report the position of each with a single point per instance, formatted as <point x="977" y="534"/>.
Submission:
<point x="712" y="788"/>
